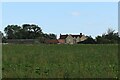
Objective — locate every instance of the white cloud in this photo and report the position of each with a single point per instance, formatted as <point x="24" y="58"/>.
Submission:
<point x="76" y="13"/>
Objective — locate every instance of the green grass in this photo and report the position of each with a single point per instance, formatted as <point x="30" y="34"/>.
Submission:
<point x="60" y="61"/>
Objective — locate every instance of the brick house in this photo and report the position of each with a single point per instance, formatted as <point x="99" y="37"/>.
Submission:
<point x="71" y="39"/>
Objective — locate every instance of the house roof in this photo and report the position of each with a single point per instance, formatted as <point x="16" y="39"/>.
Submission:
<point x="76" y="36"/>
<point x="65" y="36"/>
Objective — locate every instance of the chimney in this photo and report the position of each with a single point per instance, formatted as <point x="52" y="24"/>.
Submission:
<point x="80" y="34"/>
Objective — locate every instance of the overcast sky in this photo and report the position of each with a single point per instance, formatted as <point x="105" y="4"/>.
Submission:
<point x="89" y="18"/>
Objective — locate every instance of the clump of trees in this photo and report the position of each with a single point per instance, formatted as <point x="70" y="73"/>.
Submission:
<point x="26" y="31"/>
<point x="108" y="38"/>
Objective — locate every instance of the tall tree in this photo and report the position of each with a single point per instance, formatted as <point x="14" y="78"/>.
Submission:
<point x="31" y="31"/>
<point x="11" y="31"/>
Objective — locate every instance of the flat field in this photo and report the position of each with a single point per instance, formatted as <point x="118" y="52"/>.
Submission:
<point x="60" y="61"/>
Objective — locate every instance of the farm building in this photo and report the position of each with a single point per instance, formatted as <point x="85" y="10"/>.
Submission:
<point x="52" y="41"/>
<point x="71" y="39"/>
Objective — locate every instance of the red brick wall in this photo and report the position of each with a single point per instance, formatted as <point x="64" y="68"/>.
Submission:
<point x="62" y="41"/>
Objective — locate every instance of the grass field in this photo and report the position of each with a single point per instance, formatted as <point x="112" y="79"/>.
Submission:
<point x="60" y="61"/>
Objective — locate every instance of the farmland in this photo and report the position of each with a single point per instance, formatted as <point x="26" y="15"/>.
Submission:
<point x="60" y="61"/>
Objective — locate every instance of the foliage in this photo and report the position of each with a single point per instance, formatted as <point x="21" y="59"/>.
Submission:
<point x="49" y="36"/>
<point x="27" y="31"/>
<point x="32" y="31"/>
<point x="11" y="31"/>
<point x="52" y="36"/>
<point x="109" y="37"/>
<point x="2" y="37"/>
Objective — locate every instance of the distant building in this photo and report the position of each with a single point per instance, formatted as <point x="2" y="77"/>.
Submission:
<point x="52" y="41"/>
<point x="71" y="39"/>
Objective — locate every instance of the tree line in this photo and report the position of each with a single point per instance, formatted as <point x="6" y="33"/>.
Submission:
<point x="32" y="31"/>
<point x="110" y="37"/>
<point x="26" y="31"/>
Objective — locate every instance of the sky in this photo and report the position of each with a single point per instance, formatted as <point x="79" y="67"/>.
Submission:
<point x="89" y="18"/>
<point x="59" y="0"/>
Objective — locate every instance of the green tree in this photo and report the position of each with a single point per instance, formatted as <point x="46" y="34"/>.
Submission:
<point x="2" y="38"/>
<point x="52" y="36"/>
<point x="31" y="31"/>
<point x="11" y="31"/>
<point x="108" y="38"/>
